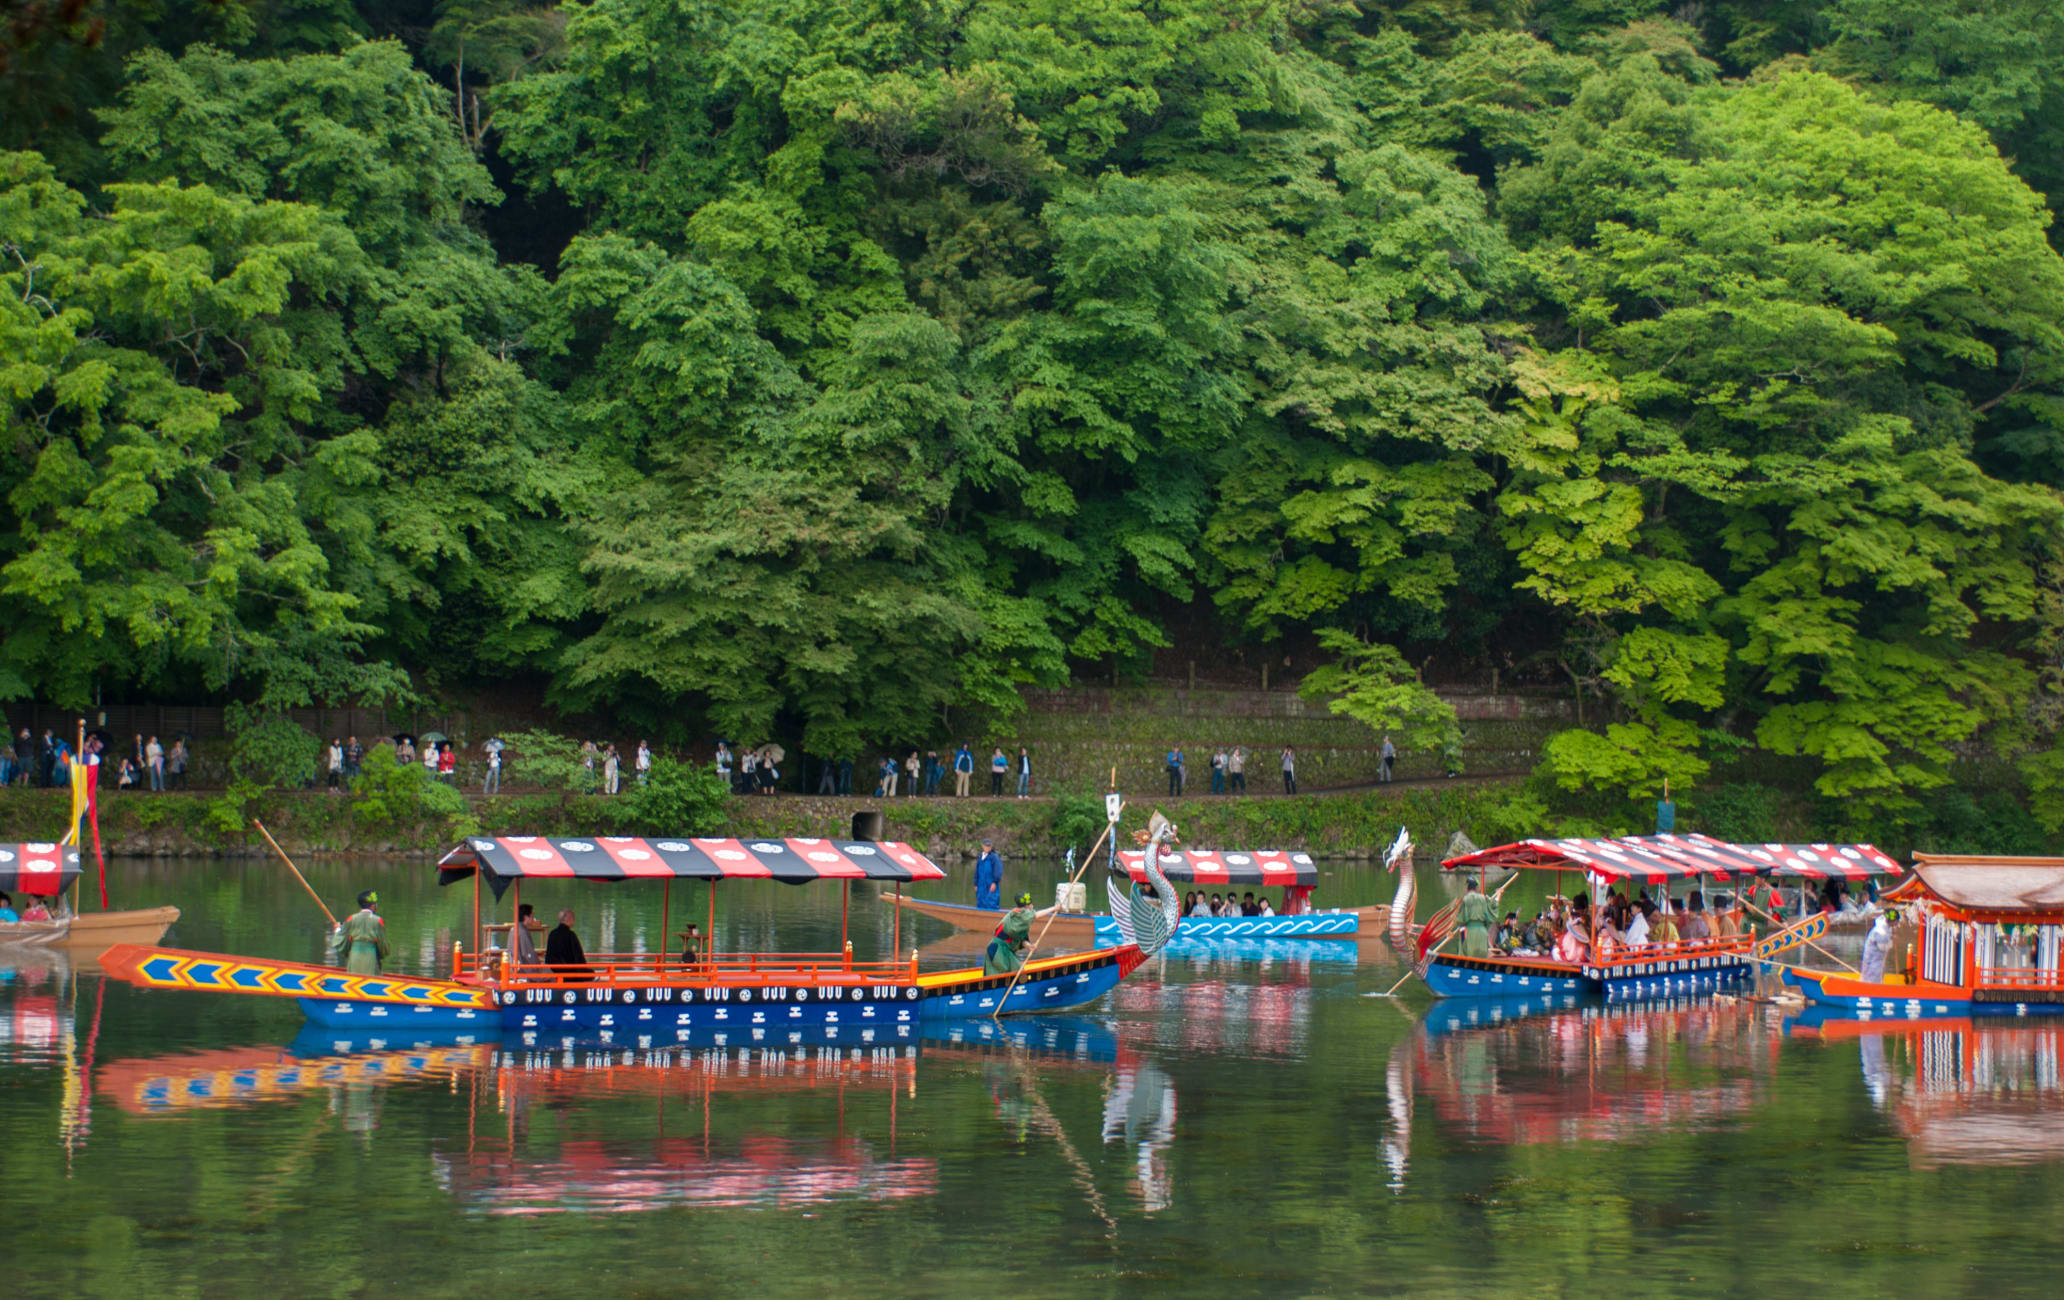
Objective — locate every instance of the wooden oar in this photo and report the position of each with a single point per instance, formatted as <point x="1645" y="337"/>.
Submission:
<point x="1412" y="968"/>
<point x="296" y="870"/>
<point x="1091" y="857"/>
<point x="1782" y="927"/>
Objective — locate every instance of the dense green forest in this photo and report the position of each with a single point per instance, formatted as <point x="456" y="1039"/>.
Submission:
<point x="812" y="366"/>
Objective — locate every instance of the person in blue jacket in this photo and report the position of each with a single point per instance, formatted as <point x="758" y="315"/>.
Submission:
<point x="988" y="877"/>
<point x="963" y="770"/>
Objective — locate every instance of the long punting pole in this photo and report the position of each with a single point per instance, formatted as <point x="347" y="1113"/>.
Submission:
<point x="1018" y="974"/>
<point x="296" y="870"/>
<point x="1782" y="926"/>
<point x="1413" y="969"/>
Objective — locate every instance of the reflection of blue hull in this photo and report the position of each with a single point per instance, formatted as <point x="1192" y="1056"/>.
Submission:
<point x="1451" y="977"/>
<point x="1222" y="929"/>
<point x="1452" y="1015"/>
<point x="875" y="1013"/>
<point x="1074" y="1037"/>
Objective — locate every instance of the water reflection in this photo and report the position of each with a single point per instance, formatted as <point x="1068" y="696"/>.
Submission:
<point x="1556" y="1069"/>
<point x="1960" y="1092"/>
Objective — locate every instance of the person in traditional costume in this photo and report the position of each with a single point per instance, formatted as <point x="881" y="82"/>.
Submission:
<point x="1477" y="915"/>
<point x="563" y="950"/>
<point x="365" y="937"/>
<point x="1875" y="945"/>
<point x="1007" y="950"/>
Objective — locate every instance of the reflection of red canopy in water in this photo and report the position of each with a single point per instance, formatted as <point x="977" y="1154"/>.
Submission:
<point x="595" y="1175"/>
<point x="1597" y="1074"/>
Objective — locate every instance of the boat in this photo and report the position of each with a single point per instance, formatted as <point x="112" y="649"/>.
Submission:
<point x="1294" y="873"/>
<point x="1647" y="970"/>
<point x="1985" y="937"/>
<point x="1076" y="930"/>
<point x="651" y="998"/>
<point x="47" y="871"/>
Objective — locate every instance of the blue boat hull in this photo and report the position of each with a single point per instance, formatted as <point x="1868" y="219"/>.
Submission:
<point x="1222" y="929"/>
<point x="859" y="1014"/>
<point x="1466" y="977"/>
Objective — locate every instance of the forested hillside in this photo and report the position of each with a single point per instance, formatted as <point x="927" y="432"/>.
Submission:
<point x="807" y="367"/>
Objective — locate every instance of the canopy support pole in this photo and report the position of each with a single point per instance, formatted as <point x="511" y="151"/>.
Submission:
<point x="515" y="918"/>
<point x="845" y="907"/>
<point x="666" y="898"/>
<point x="896" y="924"/>
<point x="709" y="939"/>
<point x="476" y="914"/>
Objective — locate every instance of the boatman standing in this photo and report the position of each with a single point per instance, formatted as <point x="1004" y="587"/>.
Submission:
<point x="1875" y="945"/>
<point x="1477" y="915"/>
<point x="1007" y="950"/>
<point x="365" y="937"/>
<point x="988" y="877"/>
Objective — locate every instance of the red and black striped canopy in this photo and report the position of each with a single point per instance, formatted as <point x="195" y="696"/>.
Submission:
<point x="1190" y="867"/>
<point x="1660" y="859"/>
<point x="43" y="869"/>
<point x="618" y="857"/>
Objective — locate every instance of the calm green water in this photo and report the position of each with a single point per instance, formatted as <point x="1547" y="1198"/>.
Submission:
<point x="1218" y="1127"/>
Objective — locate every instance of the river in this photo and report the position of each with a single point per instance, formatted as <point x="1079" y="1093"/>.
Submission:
<point x="1218" y="1126"/>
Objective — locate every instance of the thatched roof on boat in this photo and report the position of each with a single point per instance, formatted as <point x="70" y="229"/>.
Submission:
<point x="1981" y="884"/>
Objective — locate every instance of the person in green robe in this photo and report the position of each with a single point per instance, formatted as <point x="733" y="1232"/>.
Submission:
<point x="365" y="937"/>
<point x="1477" y="915"/>
<point x="1007" y="949"/>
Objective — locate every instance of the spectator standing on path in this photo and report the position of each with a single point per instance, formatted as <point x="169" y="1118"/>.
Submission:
<point x="888" y="779"/>
<point x="1389" y="758"/>
<point x="1218" y="770"/>
<point x="988" y="877"/>
<point x="335" y="765"/>
<point x="644" y="763"/>
<point x="1289" y="770"/>
<point x="827" y="776"/>
<point x="911" y="767"/>
<point x="748" y="773"/>
<point x="354" y="759"/>
<point x="1236" y="770"/>
<point x="175" y="765"/>
<point x="24" y="755"/>
<point x="448" y="763"/>
<point x="493" y="783"/>
<point x="611" y="768"/>
<point x="933" y="771"/>
<point x="963" y="770"/>
<point x="46" y="760"/>
<point x="156" y="754"/>
<point x="724" y="762"/>
<point x="1174" y="761"/>
<point x="845" y="779"/>
<point x="998" y="765"/>
<point x="1024" y="773"/>
<point x="431" y="748"/>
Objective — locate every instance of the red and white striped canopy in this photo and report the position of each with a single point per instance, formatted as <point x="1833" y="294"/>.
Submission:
<point x="1660" y="859"/>
<point x="42" y="869"/>
<point x="619" y="857"/>
<point x="1190" y="867"/>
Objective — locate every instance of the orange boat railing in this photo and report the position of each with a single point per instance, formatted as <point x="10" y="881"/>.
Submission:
<point x="1648" y="954"/>
<point x="606" y="970"/>
<point x="2021" y="979"/>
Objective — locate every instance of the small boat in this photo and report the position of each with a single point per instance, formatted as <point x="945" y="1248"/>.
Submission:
<point x="1616" y="971"/>
<point x="46" y="871"/>
<point x="645" y="999"/>
<point x="1986" y="934"/>
<point x="1075" y="930"/>
<point x="1294" y="873"/>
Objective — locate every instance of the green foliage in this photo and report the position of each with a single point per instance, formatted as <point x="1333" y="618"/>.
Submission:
<point x="388" y="794"/>
<point x="1738" y="812"/>
<point x="677" y="799"/>
<point x="268" y="750"/>
<point x="1373" y="684"/>
<point x="549" y="760"/>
